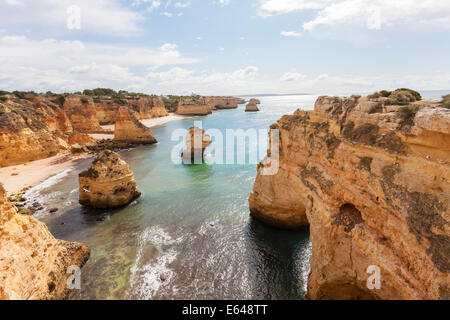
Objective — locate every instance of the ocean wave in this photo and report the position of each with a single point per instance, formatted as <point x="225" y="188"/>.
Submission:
<point x="154" y="255"/>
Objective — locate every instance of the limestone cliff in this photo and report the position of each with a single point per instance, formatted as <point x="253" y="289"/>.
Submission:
<point x="141" y="107"/>
<point x="129" y="129"/>
<point x="219" y="103"/>
<point x="196" y="143"/>
<point x="252" y="106"/>
<point x="31" y="129"/>
<point x="33" y="264"/>
<point x="109" y="182"/>
<point x="194" y="107"/>
<point x="82" y="113"/>
<point x="372" y="181"/>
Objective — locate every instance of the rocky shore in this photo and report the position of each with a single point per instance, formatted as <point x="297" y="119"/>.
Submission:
<point x="370" y="178"/>
<point x="33" y="264"/>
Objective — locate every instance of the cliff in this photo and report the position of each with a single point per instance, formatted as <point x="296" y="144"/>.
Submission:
<point x="33" y="264"/>
<point x="31" y="129"/>
<point x="252" y="106"/>
<point x="109" y="182"/>
<point x="194" y="107"/>
<point x="219" y="103"/>
<point x="141" y="107"/>
<point x="372" y="181"/>
<point x="129" y="129"/>
<point x="196" y="143"/>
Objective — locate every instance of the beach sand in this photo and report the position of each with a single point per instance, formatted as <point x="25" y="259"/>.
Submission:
<point x="15" y="178"/>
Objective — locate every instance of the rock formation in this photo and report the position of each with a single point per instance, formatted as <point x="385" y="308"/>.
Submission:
<point x="130" y="130"/>
<point x="194" y="106"/>
<point x="109" y="183"/>
<point x="252" y="106"/>
<point x="82" y="113"/>
<point x="372" y="180"/>
<point x="31" y="129"/>
<point x="196" y="143"/>
<point x="33" y="264"/>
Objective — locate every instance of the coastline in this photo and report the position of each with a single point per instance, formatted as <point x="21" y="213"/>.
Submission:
<point x="150" y="123"/>
<point x="31" y="174"/>
<point x="16" y="178"/>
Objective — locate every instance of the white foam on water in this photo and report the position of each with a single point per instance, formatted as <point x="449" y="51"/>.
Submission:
<point x="145" y="279"/>
<point x="50" y="181"/>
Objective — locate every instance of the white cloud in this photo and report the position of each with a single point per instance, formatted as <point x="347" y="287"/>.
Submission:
<point x="167" y="14"/>
<point x="182" y="4"/>
<point x="97" y="16"/>
<point x="292" y="76"/>
<point x="14" y="3"/>
<point x="364" y="13"/>
<point x="68" y="65"/>
<point x="291" y="34"/>
<point x="155" y="4"/>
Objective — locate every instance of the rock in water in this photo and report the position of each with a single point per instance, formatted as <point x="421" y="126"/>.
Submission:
<point x="109" y="182"/>
<point x="196" y="142"/>
<point x="372" y="180"/>
<point x="33" y="264"/>
<point x="129" y="129"/>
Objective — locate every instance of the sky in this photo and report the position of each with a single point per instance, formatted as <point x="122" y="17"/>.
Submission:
<point x="225" y="47"/>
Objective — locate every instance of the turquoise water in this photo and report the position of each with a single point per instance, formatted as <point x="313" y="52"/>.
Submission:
<point x="190" y="235"/>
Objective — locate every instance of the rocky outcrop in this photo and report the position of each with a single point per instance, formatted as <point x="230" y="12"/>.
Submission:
<point x="129" y="129"/>
<point x="220" y="103"/>
<point x="82" y="113"/>
<point x="31" y="129"/>
<point x="109" y="183"/>
<point x="196" y="143"/>
<point x="33" y="264"/>
<point x="142" y="108"/>
<point x="372" y="180"/>
<point x="194" y="107"/>
<point x="252" y="106"/>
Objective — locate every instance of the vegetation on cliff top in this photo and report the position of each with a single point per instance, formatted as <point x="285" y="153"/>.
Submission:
<point x="402" y="96"/>
<point x="446" y="101"/>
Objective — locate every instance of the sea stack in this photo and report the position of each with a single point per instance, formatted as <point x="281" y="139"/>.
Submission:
<point x="196" y="142"/>
<point x="109" y="182"/>
<point x="129" y="129"/>
<point x="252" y="106"/>
<point x="371" y="178"/>
<point x="33" y="264"/>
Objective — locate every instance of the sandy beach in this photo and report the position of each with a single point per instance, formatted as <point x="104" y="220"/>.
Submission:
<point x="147" y="122"/>
<point x="15" y="178"/>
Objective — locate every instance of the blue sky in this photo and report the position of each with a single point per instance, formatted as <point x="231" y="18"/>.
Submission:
<point x="225" y="46"/>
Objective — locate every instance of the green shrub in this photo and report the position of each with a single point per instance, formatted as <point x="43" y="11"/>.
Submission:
<point x="3" y="93"/>
<point x="3" y="99"/>
<point x="84" y="101"/>
<point x="446" y="101"/>
<point x="402" y="97"/>
<point x="407" y="116"/>
<point x="385" y="93"/>
<point x="414" y="93"/>
<point x="119" y="99"/>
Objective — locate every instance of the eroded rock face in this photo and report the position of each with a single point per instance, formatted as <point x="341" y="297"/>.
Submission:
<point x="194" y="107"/>
<point x="373" y="181"/>
<point x="196" y="143"/>
<point x="252" y="106"/>
<point x="31" y="129"/>
<point x="33" y="264"/>
<point x="129" y="129"/>
<point x="82" y="113"/>
<point x="109" y="183"/>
